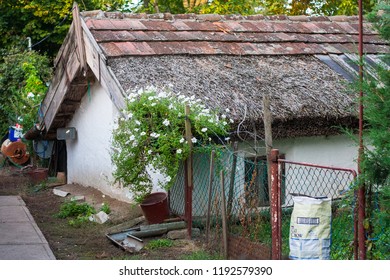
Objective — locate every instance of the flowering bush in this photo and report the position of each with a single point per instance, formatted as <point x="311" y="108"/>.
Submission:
<point x="150" y="133"/>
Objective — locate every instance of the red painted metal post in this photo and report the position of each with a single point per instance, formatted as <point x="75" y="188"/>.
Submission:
<point x="275" y="206"/>
<point x="361" y="192"/>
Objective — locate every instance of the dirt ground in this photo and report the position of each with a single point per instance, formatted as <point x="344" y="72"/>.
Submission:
<point x="88" y="241"/>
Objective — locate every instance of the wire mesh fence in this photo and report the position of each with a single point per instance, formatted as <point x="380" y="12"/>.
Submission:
<point x="321" y="181"/>
<point x="247" y="203"/>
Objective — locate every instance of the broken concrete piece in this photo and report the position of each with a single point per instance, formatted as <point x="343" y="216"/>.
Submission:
<point x="167" y="226"/>
<point x="60" y="192"/>
<point x="182" y="234"/>
<point x="132" y="244"/>
<point x="126" y="225"/>
<point x="78" y="198"/>
<point x="99" y="218"/>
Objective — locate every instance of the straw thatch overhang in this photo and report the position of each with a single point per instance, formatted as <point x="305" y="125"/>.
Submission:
<point x="303" y="63"/>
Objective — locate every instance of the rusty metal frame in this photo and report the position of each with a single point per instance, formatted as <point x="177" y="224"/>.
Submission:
<point x="276" y="207"/>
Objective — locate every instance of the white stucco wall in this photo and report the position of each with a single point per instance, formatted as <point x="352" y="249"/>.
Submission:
<point x="338" y="151"/>
<point x="89" y="161"/>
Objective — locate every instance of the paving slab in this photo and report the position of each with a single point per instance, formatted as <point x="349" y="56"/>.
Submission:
<point x="13" y="214"/>
<point x="11" y="200"/>
<point x="20" y="237"/>
<point x="26" y="252"/>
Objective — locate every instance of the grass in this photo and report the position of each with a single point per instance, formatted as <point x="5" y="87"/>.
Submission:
<point x="159" y="243"/>
<point x="201" y="255"/>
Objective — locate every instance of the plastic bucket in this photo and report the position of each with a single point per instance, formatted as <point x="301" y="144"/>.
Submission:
<point x="155" y="207"/>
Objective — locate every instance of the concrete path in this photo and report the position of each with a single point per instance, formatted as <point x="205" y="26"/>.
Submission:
<point x="20" y="237"/>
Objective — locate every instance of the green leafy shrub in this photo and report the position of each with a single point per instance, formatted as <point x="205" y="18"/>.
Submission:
<point x="78" y="212"/>
<point x="105" y="208"/>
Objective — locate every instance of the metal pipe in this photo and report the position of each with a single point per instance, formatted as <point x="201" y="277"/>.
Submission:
<point x="361" y="191"/>
<point x="353" y="172"/>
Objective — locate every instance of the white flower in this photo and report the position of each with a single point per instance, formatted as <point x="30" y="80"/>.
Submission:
<point x="30" y="95"/>
<point x="227" y="110"/>
<point x="231" y="121"/>
<point x="170" y="107"/>
<point x="227" y="138"/>
<point x="182" y="140"/>
<point x="224" y="123"/>
<point x="162" y="94"/>
<point x="122" y="119"/>
<point x="223" y="116"/>
<point x="179" y="151"/>
<point x="194" y="140"/>
<point x="132" y="138"/>
<point x="168" y="179"/>
<point x="166" y="122"/>
<point x="143" y="133"/>
<point x="192" y="97"/>
<point x="209" y="139"/>
<point x="150" y="97"/>
<point x="204" y="129"/>
<point x="137" y="122"/>
<point x="155" y="135"/>
<point x="150" y="151"/>
<point x="136" y="129"/>
<point x="130" y="115"/>
<point x="153" y="104"/>
<point x="181" y="96"/>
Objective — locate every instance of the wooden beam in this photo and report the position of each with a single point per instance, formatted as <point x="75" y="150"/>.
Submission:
<point x="98" y="63"/>
<point x="80" y="49"/>
<point x="267" y="135"/>
<point x="73" y="67"/>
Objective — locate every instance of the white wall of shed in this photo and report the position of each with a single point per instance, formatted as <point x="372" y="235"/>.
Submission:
<point x="89" y="160"/>
<point x="336" y="151"/>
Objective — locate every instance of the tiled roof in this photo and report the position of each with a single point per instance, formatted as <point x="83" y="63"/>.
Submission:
<point x="120" y="34"/>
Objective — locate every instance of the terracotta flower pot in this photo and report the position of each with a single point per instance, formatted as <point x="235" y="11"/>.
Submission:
<point x="155" y="207"/>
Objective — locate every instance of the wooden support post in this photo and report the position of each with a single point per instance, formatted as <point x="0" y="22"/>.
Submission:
<point x="275" y="206"/>
<point x="267" y="119"/>
<point x="232" y="179"/>
<point x="224" y="217"/>
<point x="189" y="173"/>
<point x="210" y="192"/>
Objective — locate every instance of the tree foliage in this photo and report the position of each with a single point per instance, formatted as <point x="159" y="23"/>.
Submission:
<point x="23" y="78"/>
<point x="39" y="19"/>
<point x="376" y="163"/>
<point x="313" y="7"/>
<point x="377" y="108"/>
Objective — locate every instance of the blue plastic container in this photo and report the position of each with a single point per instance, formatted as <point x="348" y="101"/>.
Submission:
<point x="14" y="133"/>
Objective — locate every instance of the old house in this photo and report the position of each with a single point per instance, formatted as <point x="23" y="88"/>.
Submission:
<point x="302" y="63"/>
